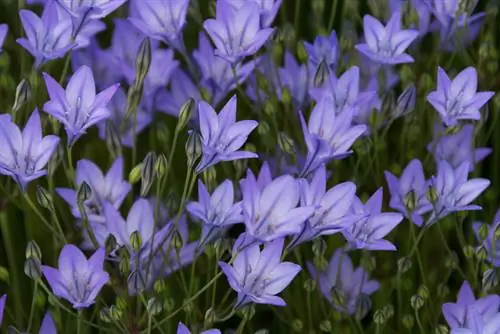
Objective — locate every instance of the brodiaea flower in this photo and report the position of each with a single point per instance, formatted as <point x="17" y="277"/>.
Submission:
<point x="456" y="313"/>
<point x="324" y="48"/>
<point x="372" y="226"/>
<point x="258" y="276"/>
<point x="217" y="211"/>
<point x="386" y="45"/>
<point x="237" y="33"/>
<point x="458" y="99"/>
<point x="341" y="284"/>
<point x="78" y="108"/>
<point x="182" y="329"/>
<point x="48" y="325"/>
<point x="491" y="243"/>
<point x="268" y="9"/>
<point x="23" y="155"/>
<point x="409" y="192"/>
<point x="77" y="280"/>
<point x="221" y="135"/>
<point x="3" y="33"/>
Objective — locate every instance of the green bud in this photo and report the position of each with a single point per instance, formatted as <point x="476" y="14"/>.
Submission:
<point x="468" y="251"/>
<point x="143" y="61"/>
<point x="388" y="311"/>
<point x="23" y="94"/>
<point x="408" y="321"/>
<point x="4" y="275"/>
<point x="338" y="297"/>
<point x="287" y="35"/>
<point x="286" y="143"/>
<point x="84" y="193"/>
<point x="417" y="302"/>
<point x="426" y="82"/>
<point x="147" y="173"/>
<point x="154" y="306"/>
<point x="161" y="165"/>
<point x="136" y="281"/>
<point x="269" y="109"/>
<point x="443" y="290"/>
<point x="112" y="139"/>
<point x="302" y="55"/>
<point x="432" y="194"/>
<point x="159" y="286"/>
<point x="490" y="279"/>
<point x="441" y="329"/>
<point x="136" y="241"/>
<point x="286" y="98"/>
<point x="205" y="94"/>
<point x="176" y="240"/>
<point x="321" y="75"/>
<point x="43" y="198"/>
<point x="407" y="75"/>
<point x="363" y="305"/>
<point x="185" y="114"/>
<point x="169" y="304"/>
<point x="33" y="268"/>
<point x="451" y="261"/>
<point x="193" y="148"/>
<point x="124" y="264"/>
<point x="297" y="325"/>
<point x="263" y="129"/>
<point x="326" y="326"/>
<point x="404" y="264"/>
<point x="110" y="244"/>
<point x="115" y="313"/>
<point x="379" y="317"/>
<point x="104" y="316"/>
<point x="121" y="303"/>
<point x="33" y="251"/>
<point x="423" y="291"/>
<point x="135" y="174"/>
<point x="483" y="231"/>
<point x="163" y="134"/>
<point x="210" y="317"/>
<point x="188" y="305"/>
<point x="309" y="285"/>
<point x="318" y="7"/>
<point x="481" y="253"/>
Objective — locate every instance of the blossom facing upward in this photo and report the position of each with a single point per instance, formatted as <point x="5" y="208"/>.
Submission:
<point x="409" y="192"/>
<point x="77" y="279"/>
<point x="324" y="48"/>
<point x="491" y="243"/>
<point x="79" y="107"/>
<point x="456" y="313"/>
<point x="24" y="154"/>
<point x="458" y="99"/>
<point x="221" y="135"/>
<point x="48" y="325"/>
<point x="258" y="276"/>
<point x="83" y="11"/>
<point x="386" y="45"/>
<point x="268" y="9"/>
<point x="182" y="329"/>
<point x="341" y="280"/>
<point x="236" y="33"/>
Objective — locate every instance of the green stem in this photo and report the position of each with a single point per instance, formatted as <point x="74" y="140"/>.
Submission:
<point x="240" y="328"/>
<point x="67" y="61"/>
<point x="32" y="309"/>
<point x="79" y="322"/>
<point x="42" y="218"/>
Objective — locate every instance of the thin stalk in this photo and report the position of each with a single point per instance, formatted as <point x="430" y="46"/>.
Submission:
<point x="32" y="309"/>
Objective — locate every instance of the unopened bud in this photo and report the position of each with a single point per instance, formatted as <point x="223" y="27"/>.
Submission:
<point x="432" y="194"/>
<point x="379" y="317"/>
<point x="136" y="282"/>
<point x="481" y="253"/>
<point x="4" y="275"/>
<point x="104" y="316"/>
<point x="23" y="94"/>
<point x="154" y="306"/>
<point x="159" y="286"/>
<point x="121" y="303"/>
<point x="84" y="192"/>
<point x="405" y="103"/>
<point x="388" y="311"/>
<point x="286" y="143"/>
<point x="490" y="279"/>
<point x="302" y="55"/>
<point x="44" y="198"/>
<point x="115" y="313"/>
<point x="441" y="329"/>
<point x="404" y="264"/>
<point x="33" y="250"/>
<point x="112" y="139"/>
<point x="143" y="61"/>
<point x="185" y="114"/>
<point x="169" y="304"/>
<point x="135" y="174"/>
<point x="483" y="231"/>
<point x="210" y="317"/>
<point x="417" y="302"/>
<point x="325" y="326"/>
<point x="423" y="291"/>
<point x="297" y="325"/>
<point x="110" y="244"/>
<point x="322" y="74"/>
<point x="147" y="173"/>
<point x="193" y="148"/>
<point x="33" y="268"/>
<point x="161" y="165"/>
<point x="136" y="241"/>
<point x="408" y="321"/>
<point x="310" y="285"/>
<point x="468" y="251"/>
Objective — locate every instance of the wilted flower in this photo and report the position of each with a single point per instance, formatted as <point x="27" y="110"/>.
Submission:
<point x="456" y="313"/>
<point x="236" y="33"/>
<point x="386" y="45"/>
<point x="328" y="136"/>
<point x="77" y="280"/>
<point x="23" y="155"/>
<point x="182" y="329"/>
<point x="324" y="48"/>
<point x="48" y="325"/>
<point x="341" y="284"/>
<point x="258" y="276"/>
<point x="372" y="226"/>
<point x="458" y="99"/>
<point x="454" y="192"/>
<point x="216" y="212"/>
<point x="161" y="20"/>
<point x="270" y="211"/>
<point x="221" y="135"/>
<point x="78" y="108"/>
<point x="110" y="188"/>
<point x="457" y="148"/>
<point x="408" y="193"/>
<point x="331" y="208"/>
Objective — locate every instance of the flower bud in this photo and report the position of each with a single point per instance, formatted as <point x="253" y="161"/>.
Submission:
<point x="388" y="311"/>
<point x="143" y="61"/>
<point x="210" y="317"/>
<point x="302" y="55"/>
<point x="44" y="198"/>
<point x="408" y="321"/>
<point x="286" y="143"/>
<point x="110" y="243"/>
<point x="483" y="231"/>
<point x="325" y="326"/>
<point x="154" y="306"/>
<point x="417" y="302"/>
<point x="121" y="303"/>
<point x="443" y="290"/>
<point x="379" y="317"/>
<point x="193" y="148"/>
<point x="112" y="139"/>
<point x="136" y="241"/>
<point x="404" y="264"/>
<point x="23" y="94"/>
<point x="84" y="192"/>
<point x="405" y="103"/>
<point x="115" y="313"/>
<point x="159" y="286"/>
<point x="322" y="74"/>
<point x="33" y="268"/>
<point x="490" y="279"/>
<point x="468" y="251"/>
<point x="363" y="306"/>
<point x="481" y="253"/>
<point x="169" y="304"/>
<point x="135" y="174"/>
<point x="423" y="291"/>
<point x="185" y="114"/>
<point x="4" y="275"/>
<point x="136" y="282"/>
<point x="104" y="315"/>
<point x="124" y="264"/>
<point x="432" y="194"/>
<point x="33" y="251"/>
<point x="286" y="97"/>
<point x="309" y="285"/>
<point x="297" y="325"/>
<point x="147" y="173"/>
<point x="441" y="329"/>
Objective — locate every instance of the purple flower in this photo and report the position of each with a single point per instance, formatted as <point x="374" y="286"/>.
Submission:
<point x="475" y="324"/>
<point x="418" y="7"/>
<point x="47" y="37"/>
<point x="222" y="136"/>
<point x="324" y="48"/>
<point x="342" y="280"/>
<point x="344" y="91"/>
<point x="491" y="243"/>
<point x="217" y="211"/>
<point x="458" y="99"/>
<point x="331" y="208"/>
<point x="181" y="90"/>
<point x="3" y="33"/>
<point x="372" y="226"/>
<point x="217" y="73"/>
<point x="270" y="211"/>
<point x="453" y="191"/>
<point x="23" y="155"/>
<point x="456" y="313"/>
<point x="236" y="33"/>
<point x="409" y="192"/>
<point x="268" y="9"/>
<point x="48" y="325"/>
<point x="386" y="45"/>
<point x="110" y="188"/>
<point x="77" y="280"/>
<point x="457" y="148"/>
<point x="295" y="78"/>
<point x="78" y="108"/>
<point x="328" y="136"/>
<point x="182" y="329"/>
<point x="258" y="276"/>
<point x="161" y="20"/>
<point x="3" y="300"/>
<point x="133" y="126"/>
